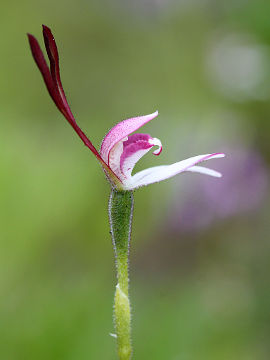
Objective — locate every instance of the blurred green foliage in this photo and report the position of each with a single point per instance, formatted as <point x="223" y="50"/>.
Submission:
<point x="194" y="296"/>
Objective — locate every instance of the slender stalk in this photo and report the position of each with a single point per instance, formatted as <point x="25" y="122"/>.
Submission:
<point x="120" y="214"/>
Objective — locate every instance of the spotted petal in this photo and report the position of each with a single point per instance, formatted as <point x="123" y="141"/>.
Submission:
<point x="159" y="173"/>
<point x="122" y="130"/>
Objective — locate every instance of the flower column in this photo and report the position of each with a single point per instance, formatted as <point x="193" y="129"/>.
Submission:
<point x="120" y="214"/>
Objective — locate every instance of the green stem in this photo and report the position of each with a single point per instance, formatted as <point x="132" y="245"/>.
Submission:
<point x="120" y="213"/>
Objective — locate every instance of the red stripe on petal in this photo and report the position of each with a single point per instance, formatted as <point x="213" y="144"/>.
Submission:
<point x="136" y="137"/>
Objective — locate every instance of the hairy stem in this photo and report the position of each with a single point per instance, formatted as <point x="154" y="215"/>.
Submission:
<point x="120" y="213"/>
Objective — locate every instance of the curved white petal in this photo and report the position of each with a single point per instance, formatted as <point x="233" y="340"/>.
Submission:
<point x="204" y="170"/>
<point x="156" y="142"/>
<point x="159" y="173"/>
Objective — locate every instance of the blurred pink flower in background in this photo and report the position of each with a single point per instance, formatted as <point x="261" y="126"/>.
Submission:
<point x="242" y="190"/>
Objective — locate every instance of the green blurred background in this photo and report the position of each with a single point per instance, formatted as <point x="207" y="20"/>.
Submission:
<point x="200" y="245"/>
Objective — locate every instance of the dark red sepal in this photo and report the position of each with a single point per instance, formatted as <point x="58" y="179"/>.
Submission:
<point x="53" y="56"/>
<point x="45" y="71"/>
<point x="53" y="82"/>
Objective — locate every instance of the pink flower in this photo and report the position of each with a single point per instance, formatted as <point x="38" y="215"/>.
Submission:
<point x="120" y="150"/>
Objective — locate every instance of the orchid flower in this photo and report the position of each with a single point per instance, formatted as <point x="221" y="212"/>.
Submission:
<point x="120" y="149"/>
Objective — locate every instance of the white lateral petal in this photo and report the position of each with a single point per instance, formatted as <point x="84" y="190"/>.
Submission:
<point x="204" y="170"/>
<point x="159" y="173"/>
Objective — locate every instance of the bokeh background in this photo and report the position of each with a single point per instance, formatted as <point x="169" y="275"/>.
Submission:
<point x="200" y="246"/>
